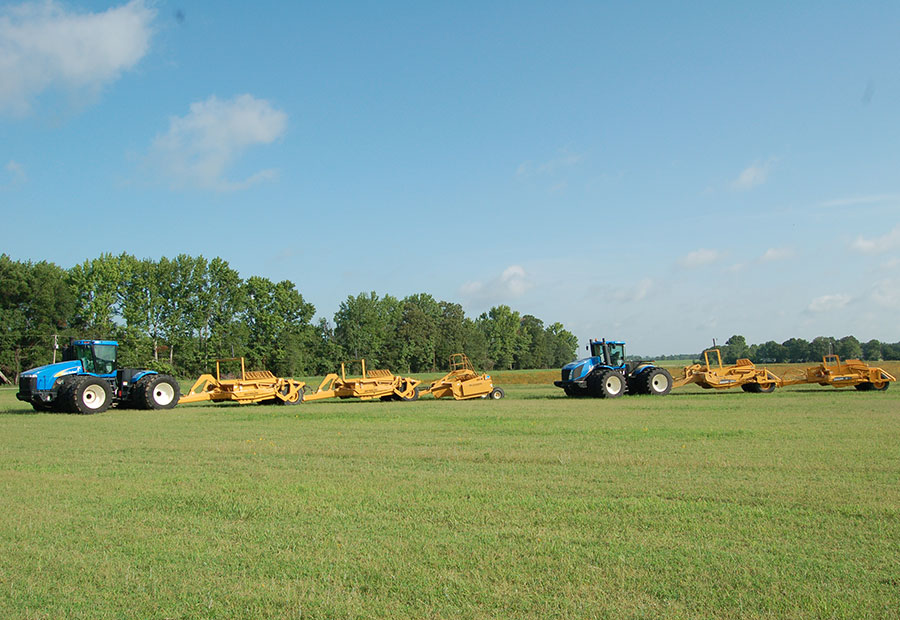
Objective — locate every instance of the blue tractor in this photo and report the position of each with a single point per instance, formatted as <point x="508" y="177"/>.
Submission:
<point x="606" y="374"/>
<point x="88" y="381"/>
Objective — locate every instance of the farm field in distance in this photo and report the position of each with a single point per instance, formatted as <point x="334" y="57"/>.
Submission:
<point x="698" y="504"/>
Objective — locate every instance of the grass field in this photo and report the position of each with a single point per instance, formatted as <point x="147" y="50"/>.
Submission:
<point x="698" y="504"/>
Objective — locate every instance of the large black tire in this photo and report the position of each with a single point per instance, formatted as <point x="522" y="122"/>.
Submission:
<point x="136" y="397"/>
<point x="657" y="382"/>
<point x="284" y="392"/>
<point x="159" y="392"/>
<point x="496" y="394"/>
<point x="758" y="388"/>
<point x="63" y="402"/>
<point x="767" y="388"/>
<point x="606" y="384"/>
<point x="415" y="396"/>
<point x="90" y="395"/>
<point x="574" y="391"/>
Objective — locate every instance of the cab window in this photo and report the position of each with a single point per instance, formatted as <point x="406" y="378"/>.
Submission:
<point x="84" y="355"/>
<point x="105" y="359"/>
<point x="616" y="355"/>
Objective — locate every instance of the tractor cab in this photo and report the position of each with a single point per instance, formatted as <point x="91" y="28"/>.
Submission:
<point x="611" y="353"/>
<point x="97" y="357"/>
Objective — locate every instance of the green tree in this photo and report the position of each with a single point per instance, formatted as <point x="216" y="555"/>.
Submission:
<point x="532" y="348"/>
<point x="820" y="346"/>
<point x="365" y="327"/>
<point x="36" y="303"/>
<point x="848" y="348"/>
<point x="771" y="351"/>
<point x="872" y="351"/>
<point x="417" y="333"/>
<point x="562" y="347"/>
<point x="735" y="348"/>
<point x="278" y="324"/>
<point x="797" y="350"/>
<point x="101" y="286"/>
<point x="500" y="326"/>
<point x="451" y="333"/>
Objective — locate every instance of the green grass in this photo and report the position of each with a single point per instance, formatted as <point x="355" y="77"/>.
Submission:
<point x="699" y="504"/>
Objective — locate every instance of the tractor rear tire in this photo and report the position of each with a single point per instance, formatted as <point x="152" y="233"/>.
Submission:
<point x="496" y="394"/>
<point x="606" y="384"/>
<point x="159" y="392"/>
<point x="657" y="382"/>
<point x="90" y="395"/>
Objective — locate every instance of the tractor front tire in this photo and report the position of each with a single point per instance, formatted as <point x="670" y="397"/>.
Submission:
<point x="159" y="392"/>
<point x="90" y="395"/>
<point x="496" y="394"/>
<point x="606" y="384"/>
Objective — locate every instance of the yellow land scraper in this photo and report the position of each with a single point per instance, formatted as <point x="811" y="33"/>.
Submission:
<point x="463" y="383"/>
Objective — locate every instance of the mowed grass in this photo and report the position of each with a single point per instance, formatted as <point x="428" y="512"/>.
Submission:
<point x="699" y="504"/>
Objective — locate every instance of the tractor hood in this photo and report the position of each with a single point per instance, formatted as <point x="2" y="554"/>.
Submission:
<point x="577" y="370"/>
<point x="47" y="375"/>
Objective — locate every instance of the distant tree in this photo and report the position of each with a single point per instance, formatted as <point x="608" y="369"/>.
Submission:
<point x="451" y="333"/>
<point x="797" y="350"/>
<point x="500" y="326"/>
<point x="771" y="351"/>
<point x="531" y="344"/>
<point x="278" y="326"/>
<point x="872" y="351"/>
<point x="365" y="327"/>
<point x="35" y="304"/>
<point x="890" y="351"/>
<point x="562" y="346"/>
<point x="821" y="346"/>
<point x="417" y="333"/>
<point x="735" y="348"/>
<point x="848" y="347"/>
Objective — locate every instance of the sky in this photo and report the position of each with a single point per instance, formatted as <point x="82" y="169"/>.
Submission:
<point x="662" y="173"/>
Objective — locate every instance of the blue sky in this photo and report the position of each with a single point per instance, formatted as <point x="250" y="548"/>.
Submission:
<point x="662" y="173"/>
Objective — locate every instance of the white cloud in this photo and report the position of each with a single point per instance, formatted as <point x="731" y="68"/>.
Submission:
<point x="886" y="293"/>
<point x="752" y="176"/>
<point x="200" y="147"/>
<point x="878" y="245"/>
<point x="510" y="284"/>
<point x="699" y="258"/>
<point x="43" y="45"/>
<point x="565" y="160"/>
<point x="16" y="172"/>
<point x="862" y="200"/>
<point x="827" y="303"/>
<point x="775" y="254"/>
<point x="635" y="293"/>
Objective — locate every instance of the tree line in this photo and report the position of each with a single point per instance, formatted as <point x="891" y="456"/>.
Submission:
<point x="178" y="315"/>
<point x="798" y="350"/>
